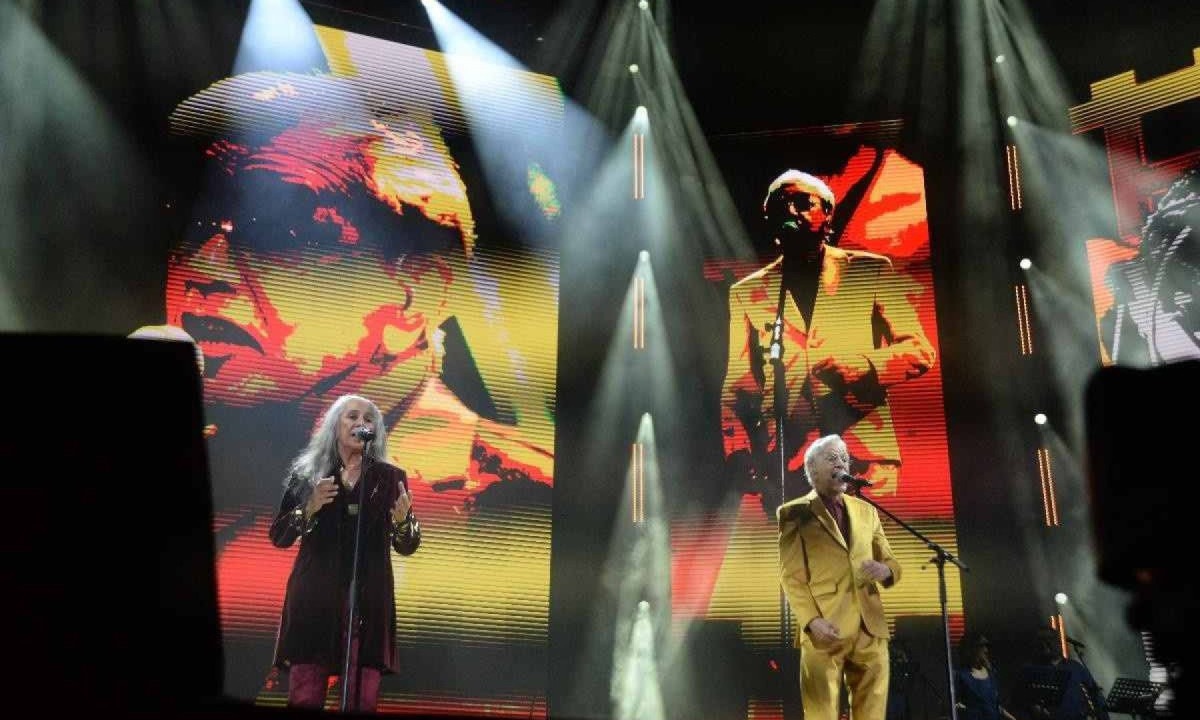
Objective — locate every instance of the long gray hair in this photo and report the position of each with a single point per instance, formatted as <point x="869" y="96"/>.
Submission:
<point x="321" y="457"/>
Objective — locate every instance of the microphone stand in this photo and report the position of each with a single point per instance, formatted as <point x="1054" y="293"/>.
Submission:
<point x="780" y="408"/>
<point x="779" y="397"/>
<point x="352" y="600"/>
<point x="1088" y="692"/>
<point x="940" y="557"/>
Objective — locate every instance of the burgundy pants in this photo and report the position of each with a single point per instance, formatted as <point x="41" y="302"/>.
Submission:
<point x="308" y="684"/>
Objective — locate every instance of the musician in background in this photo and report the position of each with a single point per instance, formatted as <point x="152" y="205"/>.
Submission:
<point x="978" y="688"/>
<point x="1082" y="698"/>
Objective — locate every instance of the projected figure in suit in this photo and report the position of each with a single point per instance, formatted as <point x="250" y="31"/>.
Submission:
<point x="321" y="509"/>
<point x="1155" y="316"/>
<point x="833" y="558"/>
<point x="848" y="334"/>
<point x="329" y="253"/>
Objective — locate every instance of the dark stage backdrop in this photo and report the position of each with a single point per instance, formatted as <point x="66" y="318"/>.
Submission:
<point x="341" y="239"/>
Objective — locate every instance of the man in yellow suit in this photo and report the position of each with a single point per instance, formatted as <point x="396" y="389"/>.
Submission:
<point x="838" y="327"/>
<point x="833" y="558"/>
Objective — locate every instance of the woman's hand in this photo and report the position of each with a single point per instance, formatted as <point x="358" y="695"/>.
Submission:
<point x="403" y="503"/>
<point x="323" y="493"/>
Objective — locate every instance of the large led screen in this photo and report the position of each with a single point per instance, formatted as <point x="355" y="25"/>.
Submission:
<point x="863" y="362"/>
<point x="343" y="240"/>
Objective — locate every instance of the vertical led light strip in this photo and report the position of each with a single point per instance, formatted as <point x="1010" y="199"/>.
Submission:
<point x="639" y="313"/>
<point x="1049" y="503"/>
<point x="639" y="166"/>
<point x="1056" y="622"/>
<point x="1024" y="330"/>
<point x="637" y="487"/>
<point x="1014" y="177"/>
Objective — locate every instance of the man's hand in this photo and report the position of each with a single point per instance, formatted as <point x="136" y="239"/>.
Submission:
<point x="875" y="571"/>
<point x="823" y="632"/>
<point x="838" y="372"/>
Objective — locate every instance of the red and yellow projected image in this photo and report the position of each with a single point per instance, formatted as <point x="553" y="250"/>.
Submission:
<point x="1145" y="272"/>
<point x="857" y="340"/>
<point x="333" y="249"/>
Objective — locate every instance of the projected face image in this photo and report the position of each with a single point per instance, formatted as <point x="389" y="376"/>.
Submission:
<point x="304" y="271"/>
<point x="809" y="210"/>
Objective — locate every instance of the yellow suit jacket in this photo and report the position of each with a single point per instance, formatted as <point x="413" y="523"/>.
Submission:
<point x="862" y="313"/>
<point x="820" y="573"/>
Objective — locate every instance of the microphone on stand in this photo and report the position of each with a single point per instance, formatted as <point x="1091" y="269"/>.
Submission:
<point x="364" y="433"/>
<point x="852" y="482"/>
<point x="776" y="352"/>
<point x="1078" y="645"/>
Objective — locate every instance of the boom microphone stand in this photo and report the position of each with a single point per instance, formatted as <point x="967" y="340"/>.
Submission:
<point x="365" y="434"/>
<point x="940" y="558"/>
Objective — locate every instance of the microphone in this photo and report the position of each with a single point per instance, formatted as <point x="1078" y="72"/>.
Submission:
<point x="777" y="337"/>
<point x="856" y="483"/>
<point x="364" y="433"/>
<point x="1078" y="645"/>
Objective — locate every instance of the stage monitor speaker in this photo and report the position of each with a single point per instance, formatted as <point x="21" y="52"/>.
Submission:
<point x="106" y="551"/>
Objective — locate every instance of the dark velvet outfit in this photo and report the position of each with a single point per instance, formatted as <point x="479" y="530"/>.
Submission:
<point x="311" y="629"/>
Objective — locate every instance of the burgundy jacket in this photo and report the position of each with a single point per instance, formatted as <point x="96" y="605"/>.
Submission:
<point x="314" y="606"/>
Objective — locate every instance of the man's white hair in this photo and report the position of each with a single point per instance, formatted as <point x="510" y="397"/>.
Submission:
<point x="819" y="445"/>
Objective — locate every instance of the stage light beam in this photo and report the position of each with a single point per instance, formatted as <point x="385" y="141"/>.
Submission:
<point x="1040" y="418"/>
<point x="1026" y="263"/>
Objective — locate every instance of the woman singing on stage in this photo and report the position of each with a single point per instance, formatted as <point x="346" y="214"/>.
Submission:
<point x="342" y="466"/>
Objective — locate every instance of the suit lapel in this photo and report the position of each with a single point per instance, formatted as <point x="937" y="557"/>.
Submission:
<point x="826" y="519"/>
<point x="832" y="268"/>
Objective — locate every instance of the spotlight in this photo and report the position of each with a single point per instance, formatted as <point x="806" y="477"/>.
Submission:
<point x="1026" y="263"/>
<point x="1012" y="121"/>
<point x="644" y="256"/>
<point x="1040" y="418"/>
<point x="640" y="113"/>
<point x="1060" y="598"/>
<point x="633" y="69"/>
<point x="643" y="4"/>
<point x="999" y="58"/>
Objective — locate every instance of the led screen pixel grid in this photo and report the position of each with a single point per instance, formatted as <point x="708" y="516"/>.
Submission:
<point x="337" y="245"/>
<point x="724" y="562"/>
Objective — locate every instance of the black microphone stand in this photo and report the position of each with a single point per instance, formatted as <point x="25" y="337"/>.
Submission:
<point x="775" y="356"/>
<point x="1091" y="694"/>
<point x="940" y="557"/>
<point x="352" y="600"/>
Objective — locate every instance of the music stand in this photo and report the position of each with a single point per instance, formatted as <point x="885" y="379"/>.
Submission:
<point x="1133" y="697"/>
<point x="1044" y="686"/>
